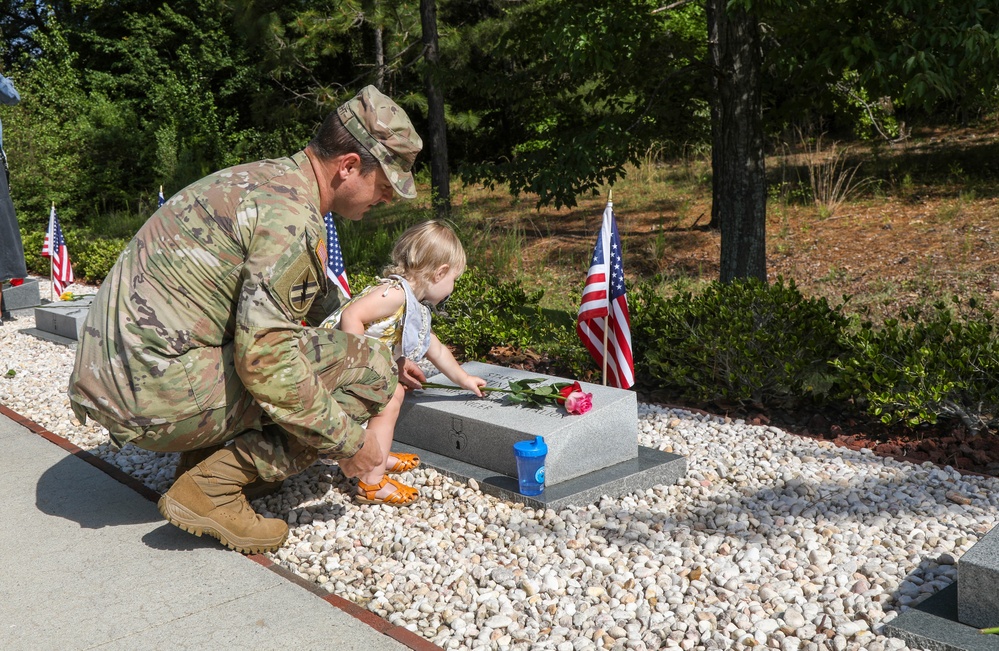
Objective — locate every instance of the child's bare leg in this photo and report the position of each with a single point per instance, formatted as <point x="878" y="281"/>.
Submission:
<point x="383" y="427"/>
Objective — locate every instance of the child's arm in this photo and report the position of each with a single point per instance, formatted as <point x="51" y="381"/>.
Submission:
<point x="442" y="358"/>
<point x="371" y="307"/>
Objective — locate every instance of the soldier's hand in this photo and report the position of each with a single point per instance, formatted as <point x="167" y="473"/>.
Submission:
<point x="410" y="375"/>
<point x="365" y="460"/>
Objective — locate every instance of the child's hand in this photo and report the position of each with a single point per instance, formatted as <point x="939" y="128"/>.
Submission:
<point x="472" y="383"/>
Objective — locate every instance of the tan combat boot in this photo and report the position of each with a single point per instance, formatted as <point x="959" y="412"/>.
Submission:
<point x="255" y="489"/>
<point x="208" y="499"/>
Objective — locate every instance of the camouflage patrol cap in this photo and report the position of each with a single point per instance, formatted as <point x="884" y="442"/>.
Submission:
<point x="385" y="130"/>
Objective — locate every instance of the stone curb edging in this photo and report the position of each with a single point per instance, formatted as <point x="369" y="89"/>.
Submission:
<point x="402" y="635"/>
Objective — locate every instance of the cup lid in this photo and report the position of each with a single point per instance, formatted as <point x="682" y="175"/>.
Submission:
<point x="535" y="448"/>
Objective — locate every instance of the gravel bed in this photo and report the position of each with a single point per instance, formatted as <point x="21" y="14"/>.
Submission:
<point x="770" y="541"/>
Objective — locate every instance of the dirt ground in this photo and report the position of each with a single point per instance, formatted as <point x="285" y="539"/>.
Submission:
<point x="922" y="230"/>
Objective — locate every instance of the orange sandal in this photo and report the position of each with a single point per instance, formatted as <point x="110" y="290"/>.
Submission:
<point x="402" y="495"/>
<point x="405" y="463"/>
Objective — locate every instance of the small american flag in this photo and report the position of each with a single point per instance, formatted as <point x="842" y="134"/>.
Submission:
<point x="605" y="306"/>
<point x="54" y="247"/>
<point x="162" y="199"/>
<point x="335" y="270"/>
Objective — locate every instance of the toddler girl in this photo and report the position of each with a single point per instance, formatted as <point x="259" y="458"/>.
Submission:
<point x="426" y="260"/>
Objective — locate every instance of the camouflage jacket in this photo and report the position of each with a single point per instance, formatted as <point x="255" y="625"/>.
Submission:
<point x="237" y="257"/>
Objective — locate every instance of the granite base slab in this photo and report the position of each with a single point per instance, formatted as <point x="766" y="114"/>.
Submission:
<point x="932" y="625"/>
<point x="48" y="336"/>
<point x="63" y="318"/>
<point x="649" y="468"/>
<point x="482" y="431"/>
<point x="978" y="576"/>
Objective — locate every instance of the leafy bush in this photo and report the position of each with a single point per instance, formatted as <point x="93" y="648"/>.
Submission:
<point x="93" y="260"/>
<point x="92" y="256"/>
<point x="32" y="241"/>
<point x="742" y="342"/>
<point x="484" y="313"/>
<point x="914" y="370"/>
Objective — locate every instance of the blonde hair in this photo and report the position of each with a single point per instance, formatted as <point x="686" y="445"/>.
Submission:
<point x="422" y="249"/>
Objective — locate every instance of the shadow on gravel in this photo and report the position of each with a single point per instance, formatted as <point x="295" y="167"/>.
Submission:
<point x="868" y="525"/>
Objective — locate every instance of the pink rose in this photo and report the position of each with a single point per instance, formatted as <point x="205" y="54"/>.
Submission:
<point x="578" y="402"/>
<point x="574" y="399"/>
<point x="566" y="390"/>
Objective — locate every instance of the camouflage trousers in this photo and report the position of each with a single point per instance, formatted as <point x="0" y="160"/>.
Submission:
<point x="358" y="371"/>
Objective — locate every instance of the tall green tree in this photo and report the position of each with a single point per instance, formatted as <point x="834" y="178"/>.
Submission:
<point x="563" y="90"/>
<point x="45" y="147"/>
<point x="143" y="93"/>
<point x="315" y="55"/>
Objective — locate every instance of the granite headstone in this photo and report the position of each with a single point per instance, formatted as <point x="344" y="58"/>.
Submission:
<point x="63" y="318"/>
<point x="978" y="582"/>
<point x="482" y="431"/>
<point x="21" y="297"/>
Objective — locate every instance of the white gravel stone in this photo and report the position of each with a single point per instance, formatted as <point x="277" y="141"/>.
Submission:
<point x="770" y="541"/>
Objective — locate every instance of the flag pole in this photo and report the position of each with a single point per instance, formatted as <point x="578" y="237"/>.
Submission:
<point x="606" y="328"/>
<point x="610" y="202"/>
<point x="51" y="262"/>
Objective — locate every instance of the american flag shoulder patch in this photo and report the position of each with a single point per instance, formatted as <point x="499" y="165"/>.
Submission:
<point x="321" y="252"/>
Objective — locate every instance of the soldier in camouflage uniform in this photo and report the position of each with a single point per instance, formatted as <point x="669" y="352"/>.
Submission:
<point x="196" y="337"/>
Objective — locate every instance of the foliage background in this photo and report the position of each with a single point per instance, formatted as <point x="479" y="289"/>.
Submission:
<point x="554" y="100"/>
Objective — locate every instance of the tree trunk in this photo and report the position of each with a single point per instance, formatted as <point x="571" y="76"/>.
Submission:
<point x="379" y="58"/>
<point x="716" y="153"/>
<point x="376" y="40"/>
<point x="440" y="175"/>
<point x="739" y="189"/>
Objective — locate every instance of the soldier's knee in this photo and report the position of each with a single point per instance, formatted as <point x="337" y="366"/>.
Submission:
<point x="382" y="363"/>
<point x="381" y="356"/>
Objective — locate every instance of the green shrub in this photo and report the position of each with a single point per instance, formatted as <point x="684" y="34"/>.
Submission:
<point x="741" y="342"/>
<point x="121" y="223"/>
<point x="483" y="313"/>
<point x="915" y="370"/>
<point x="92" y="256"/>
<point x="93" y="260"/>
<point x="32" y="241"/>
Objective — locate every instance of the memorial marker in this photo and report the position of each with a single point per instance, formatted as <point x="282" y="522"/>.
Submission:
<point x="63" y="318"/>
<point x="950" y="619"/>
<point x="21" y="297"/>
<point x="473" y="438"/>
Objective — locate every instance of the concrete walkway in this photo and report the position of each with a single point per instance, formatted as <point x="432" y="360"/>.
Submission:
<point x="89" y="563"/>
